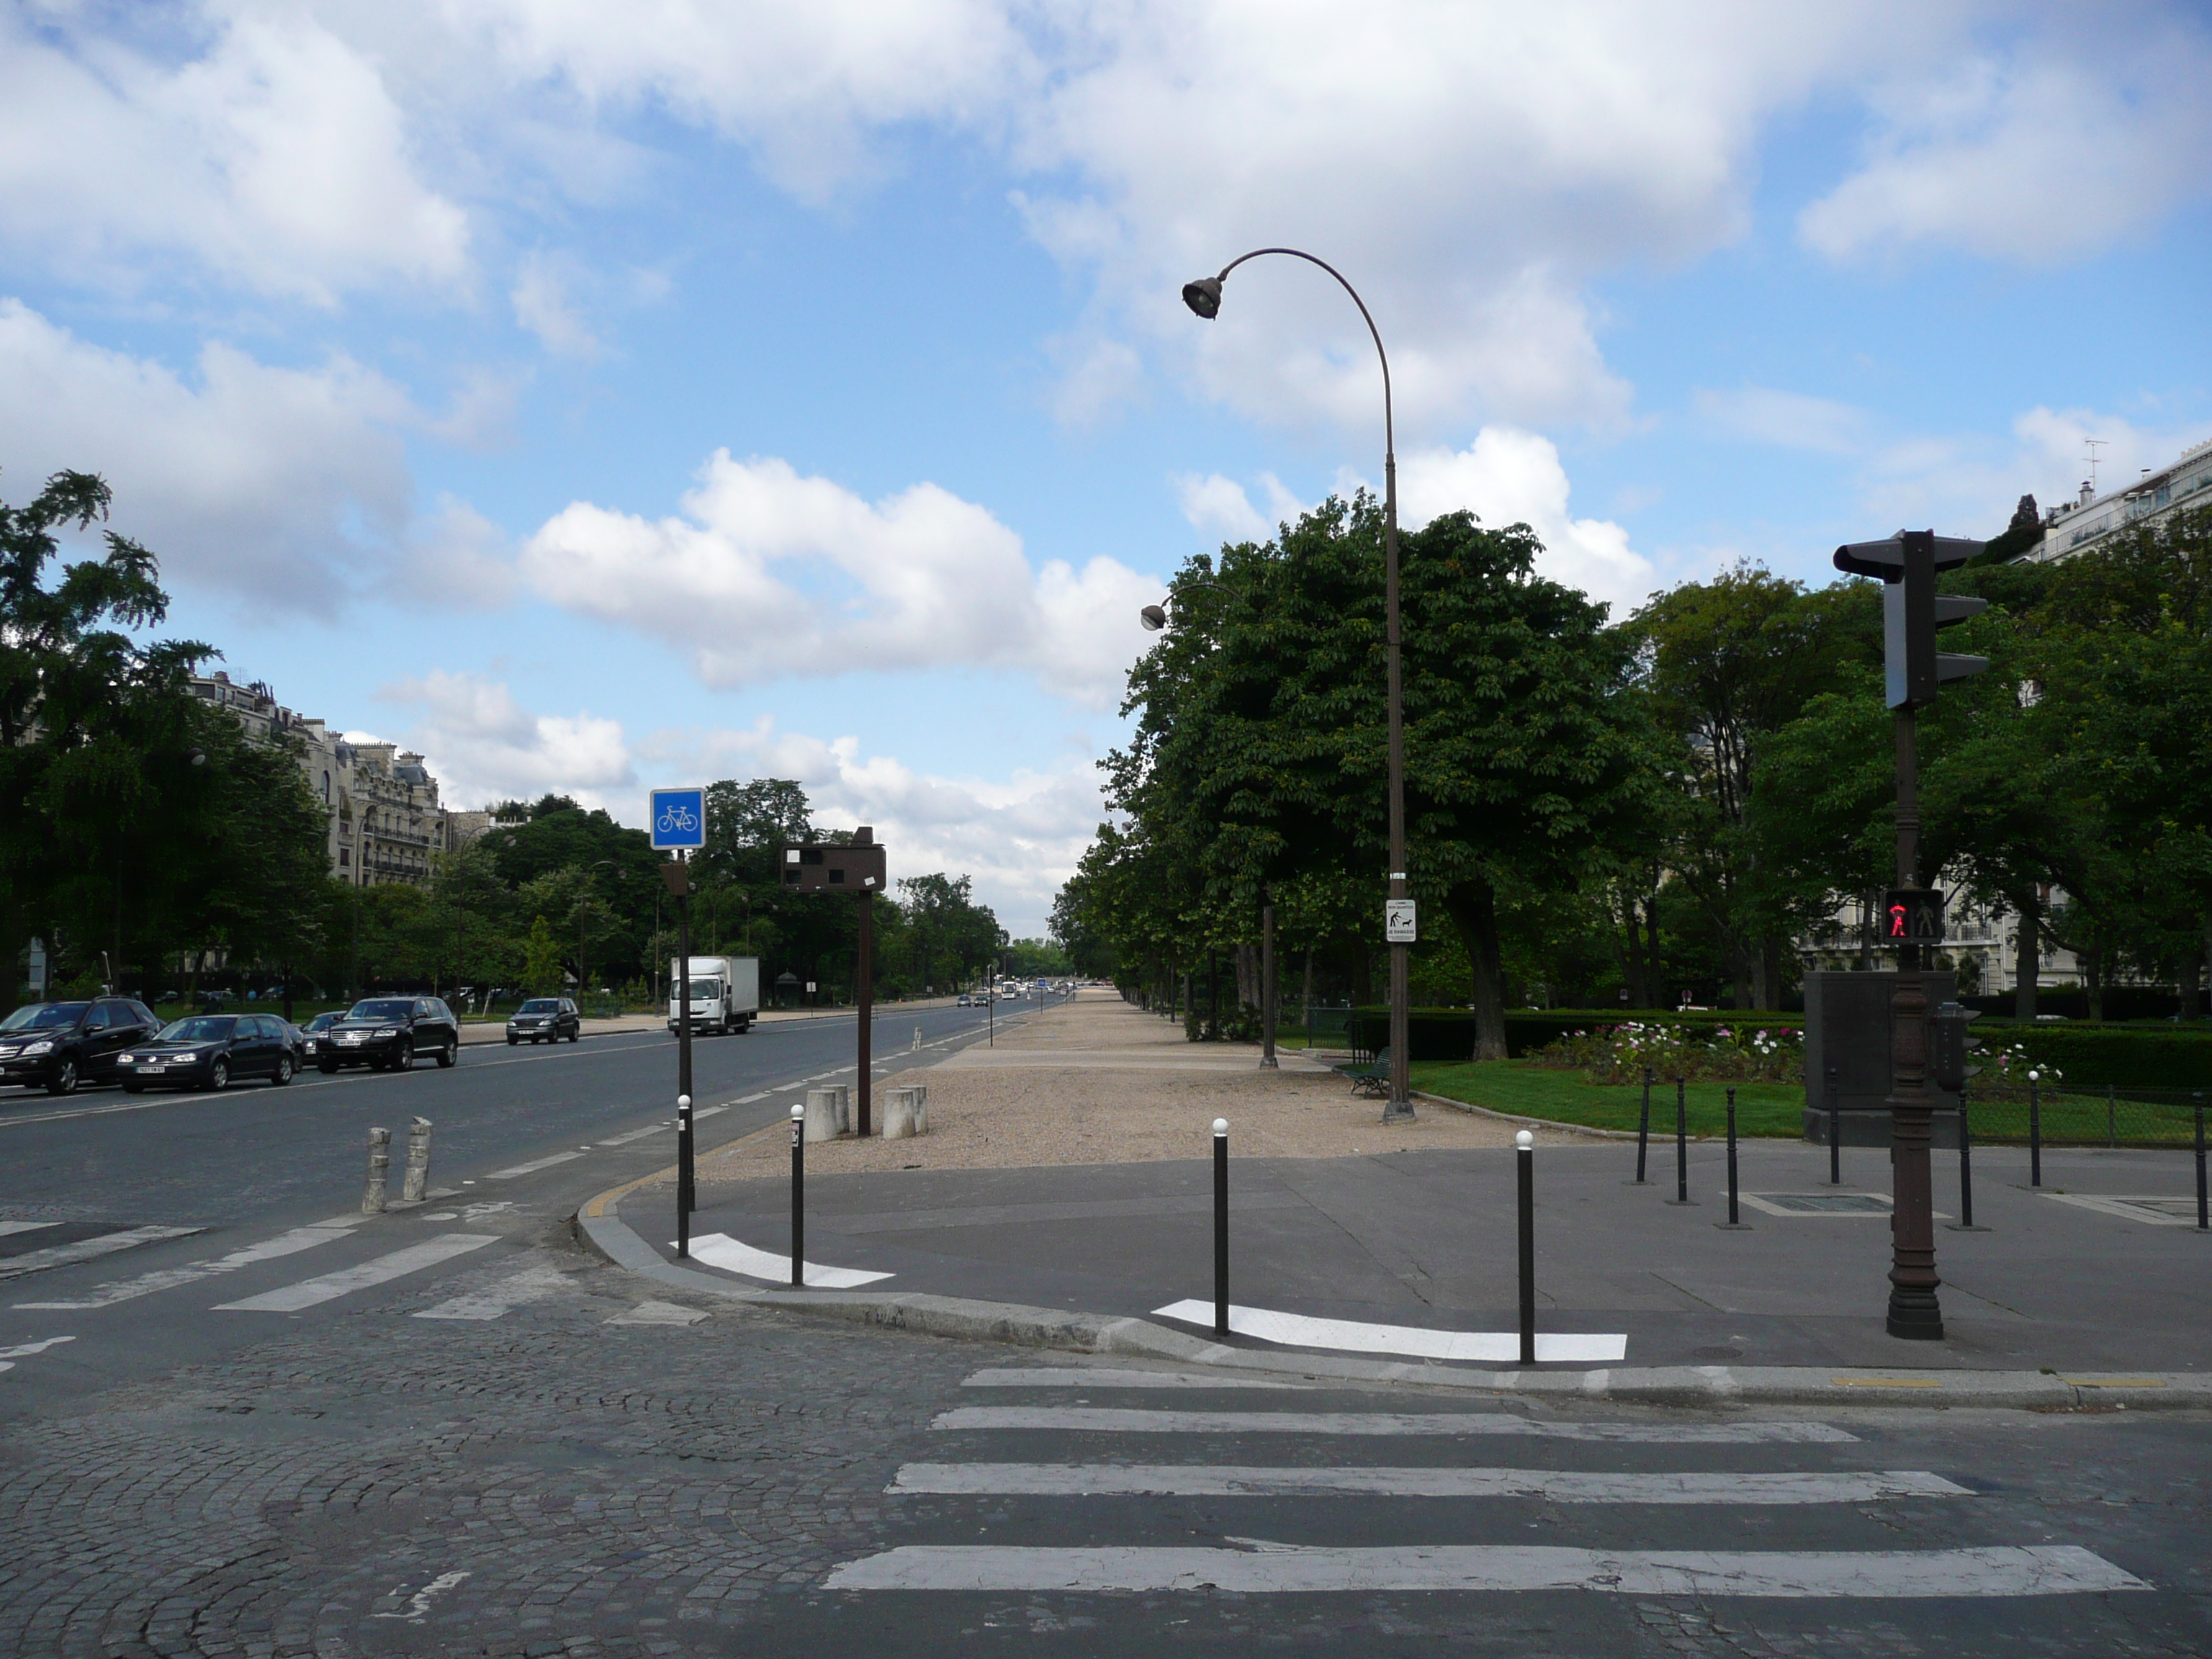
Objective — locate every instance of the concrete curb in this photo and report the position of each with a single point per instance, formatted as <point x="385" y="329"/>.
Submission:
<point x="1531" y="1123"/>
<point x="1706" y="1386"/>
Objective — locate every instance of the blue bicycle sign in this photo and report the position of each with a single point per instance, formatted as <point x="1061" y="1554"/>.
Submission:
<point x="678" y="817"/>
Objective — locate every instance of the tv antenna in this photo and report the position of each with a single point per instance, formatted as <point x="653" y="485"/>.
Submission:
<point x="2092" y="445"/>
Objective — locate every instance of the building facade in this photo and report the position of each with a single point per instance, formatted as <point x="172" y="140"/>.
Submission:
<point x="2080" y="524"/>
<point x="1983" y="949"/>
<point x="385" y="822"/>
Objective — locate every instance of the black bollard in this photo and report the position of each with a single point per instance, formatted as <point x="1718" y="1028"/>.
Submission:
<point x="799" y="1198"/>
<point x="1681" y="1145"/>
<point x="2034" y="1132"/>
<point x="1525" y="1155"/>
<point x="1644" y="1132"/>
<point x="1835" y="1133"/>
<point x="1965" y="1224"/>
<point x="1221" y="1226"/>
<point x="1734" y="1224"/>
<point x="684" y="1177"/>
<point x="2204" y="1218"/>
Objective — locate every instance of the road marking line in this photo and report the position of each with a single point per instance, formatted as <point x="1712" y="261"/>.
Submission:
<point x="747" y="1100"/>
<point x="1118" y="1420"/>
<point x="1071" y="1376"/>
<point x="25" y="1350"/>
<point x="128" y="1290"/>
<point x="1561" y="1487"/>
<point x="2129" y="1206"/>
<point x="707" y="1111"/>
<point x="531" y="1168"/>
<point x="1488" y="1347"/>
<point x="1265" y="1568"/>
<point x="1886" y="1382"/>
<point x="90" y="1249"/>
<point x="9" y="1228"/>
<point x="532" y="1284"/>
<point x="2115" y="1381"/>
<point x="311" y="1293"/>
<point x="634" y="1135"/>
<point x="721" y="1250"/>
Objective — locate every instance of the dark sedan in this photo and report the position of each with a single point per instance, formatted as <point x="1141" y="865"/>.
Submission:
<point x="387" y="1034"/>
<point x="208" y="1051"/>
<point x="59" y="1045"/>
<point x="544" y="1019"/>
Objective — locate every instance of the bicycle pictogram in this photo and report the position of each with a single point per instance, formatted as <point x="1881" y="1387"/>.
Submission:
<point x="677" y="818"/>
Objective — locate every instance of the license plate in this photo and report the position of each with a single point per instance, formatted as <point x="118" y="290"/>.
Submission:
<point x="351" y="1036"/>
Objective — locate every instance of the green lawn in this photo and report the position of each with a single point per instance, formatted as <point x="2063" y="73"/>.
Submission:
<point x="1527" y="1091"/>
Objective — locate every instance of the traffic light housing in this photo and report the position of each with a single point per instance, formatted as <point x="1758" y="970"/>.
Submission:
<point x="1950" y="1046"/>
<point x="1913" y="915"/>
<point x="823" y="867"/>
<point x="1912" y="611"/>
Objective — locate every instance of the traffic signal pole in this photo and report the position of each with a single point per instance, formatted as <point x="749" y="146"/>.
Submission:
<point x="1914" y="1311"/>
<point x="864" y="985"/>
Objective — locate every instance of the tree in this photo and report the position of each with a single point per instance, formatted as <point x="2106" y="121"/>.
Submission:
<point x="541" y="961"/>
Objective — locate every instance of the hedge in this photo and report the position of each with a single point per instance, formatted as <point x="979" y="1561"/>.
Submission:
<point x="1449" y="1033"/>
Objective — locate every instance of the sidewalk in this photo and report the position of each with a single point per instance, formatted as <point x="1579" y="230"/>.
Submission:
<point x="1058" y="1175"/>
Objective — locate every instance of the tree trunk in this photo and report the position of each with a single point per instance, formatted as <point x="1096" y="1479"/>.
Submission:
<point x="1655" y="981"/>
<point x="2092" y="974"/>
<point x="1363" y="976"/>
<point x="1473" y="907"/>
<point x="1866" y="934"/>
<point x="2206" y="1006"/>
<point x="1740" y="993"/>
<point x="1248" y="976"/>
<point x="2027" y="951"/>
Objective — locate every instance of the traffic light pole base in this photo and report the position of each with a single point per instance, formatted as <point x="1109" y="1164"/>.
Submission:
<point x="1916" y="1317"/>
<point x="1398" y="1111"/>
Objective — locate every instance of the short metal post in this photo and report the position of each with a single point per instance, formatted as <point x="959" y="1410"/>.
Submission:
<point x="1644" y="1131"/>
<point x="1524" y="1154"/>
<point x="380" y="1160"/>
<point x="1221" y="1226"/>
<point x="2203" y="1219"/>
<point x="799" y="1198"/>
<point x="1682" y="1143"/>
<point x="2034" y="1131"/>
<point x="2111" y="1114"/>
<point x="683" y="1173"/>
<point x="1835" y="1133"/>
<point x="1735" y="1223"/>
<point x="416" y="1181"/>
<point x="1965" y="1224"/>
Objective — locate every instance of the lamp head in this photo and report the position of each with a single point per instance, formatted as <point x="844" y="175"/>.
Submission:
<point x="1154" y="618"/>
<point x="1204" y="296"/>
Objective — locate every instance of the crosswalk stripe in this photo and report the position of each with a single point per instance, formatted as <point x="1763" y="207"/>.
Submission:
<point x="167" y="1279"/>
<point x="1074" y="1377"/>
<point x="2034" y="1570"/>
<point x="7" y="1228"/>
<point x="1413" y="1342"/>
<point x="1564" y="1486"/>
<point x="88" y="1249"/>
<point x="1116" y="1420"/>
<point x="495" y="1300"/>
<point x="310" y="1292"/>
<point x="732" y="1255"/>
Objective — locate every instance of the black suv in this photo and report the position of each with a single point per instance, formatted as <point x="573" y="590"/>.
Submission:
<point x="544" y="1019"/>
<point x="387" y="1033"/>
<point x="62" y="1044"/>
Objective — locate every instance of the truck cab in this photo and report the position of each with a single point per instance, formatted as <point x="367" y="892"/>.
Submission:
<point x="723" y="993"/>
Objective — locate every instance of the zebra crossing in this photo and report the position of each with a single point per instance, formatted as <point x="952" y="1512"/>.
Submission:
<point x="1460" y="1518"/>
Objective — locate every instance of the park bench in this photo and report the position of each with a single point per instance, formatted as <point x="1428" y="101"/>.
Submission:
<point x="1371" y="1080"/>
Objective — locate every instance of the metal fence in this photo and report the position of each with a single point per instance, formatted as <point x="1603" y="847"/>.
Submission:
<point x="2110" y="1116"/>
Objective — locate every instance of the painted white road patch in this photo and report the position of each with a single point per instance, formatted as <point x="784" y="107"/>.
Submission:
<point x="2152" y="1209"/>
<point x="1111" y="1419"/>
<point x="659" y="1313"/>
<point x="311" y="1293"/>
<point x="8" y="1228"/>
<point x="90" y="1249"/>
<point x="1561" y="1487"/>
<point x="721" y="1250"/>
<point x="25" y="1350"/>
<point x="1073" y="1377"/>
<point x="515" y="1291"/>
<point x="1352" y="1335"/>
<point x="1265" y="1568"/>
<point x="531" y="1168"/>
<point x="624" y="1139"/>
<point x="168" y="1278"/>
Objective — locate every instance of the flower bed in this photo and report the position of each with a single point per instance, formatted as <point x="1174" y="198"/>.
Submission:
<point x="1743" y="1053"/>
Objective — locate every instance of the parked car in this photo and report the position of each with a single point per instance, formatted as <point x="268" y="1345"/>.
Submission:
<point x="208" y="1051"/>
<point x="544" y="1019"/>
<point x="61" y="1045"/>
<point x="386" y="1033"/>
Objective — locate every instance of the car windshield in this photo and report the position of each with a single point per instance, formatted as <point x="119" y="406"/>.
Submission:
<point x="203" y="1028"/>
<point x="381" y="1010"/>
<point x="539" y="1006"/>
<point x="322" y="1021"/>
<point x="706" y="990"/>
<point x="43" y="1016"/>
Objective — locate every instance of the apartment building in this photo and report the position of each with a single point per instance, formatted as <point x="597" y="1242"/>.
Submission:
<point x="2077" y="525"/>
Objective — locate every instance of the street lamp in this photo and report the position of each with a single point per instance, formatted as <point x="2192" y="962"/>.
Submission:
<point x="1204" y="297"/>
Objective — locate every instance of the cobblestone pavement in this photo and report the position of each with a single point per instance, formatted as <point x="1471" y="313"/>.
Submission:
<point x="530" y="1456"/>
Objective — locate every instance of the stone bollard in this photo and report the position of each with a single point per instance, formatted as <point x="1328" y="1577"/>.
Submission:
<point x="417" y="1179"/>
<point x="821" y="1115"/>
<point x="898" y="1113"/>
<point x="917" y="1039"/>
<point x="921" y="1108"/>
<point x="844" y="1093"/>
<point x="380" y="1160"/>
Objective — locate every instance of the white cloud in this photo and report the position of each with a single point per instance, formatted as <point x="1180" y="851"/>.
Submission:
<point x="768" y="574"/>
<point x="274" y="158"/>
<point x="1791" y="420"/>
<point x="1510" y="477"/>
<point x="268" y="482"/>
<point x="483" y="746"/>
<point x="1214" y="502"/>
<point x="542" y="305"/>
<point x="2050" y="150"/>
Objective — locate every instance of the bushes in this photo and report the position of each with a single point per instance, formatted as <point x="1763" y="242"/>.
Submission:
<point x="2092" y="1056"/>
<point x="1449" y="1033"/>
<point x="1726" y="1054"/>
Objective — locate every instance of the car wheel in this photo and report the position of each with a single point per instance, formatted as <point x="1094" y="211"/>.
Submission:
<point x="403" y="1057"/>
<point x="64" y="1079"/>
<point x="577" y="1034"/>
<point x="134" y="1087"/>
<point x="327" y="1068"/>
<point x="282" y="1074"/>
<point x="512" y="1040"/>
<point x="218" y="1077"/>
<point x="450" y="1053"/>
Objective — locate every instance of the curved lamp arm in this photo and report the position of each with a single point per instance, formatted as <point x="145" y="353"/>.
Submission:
<point x="1204" y="297"/>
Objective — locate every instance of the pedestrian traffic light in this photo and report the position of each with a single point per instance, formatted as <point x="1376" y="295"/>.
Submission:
<point x="1913" y="915"/>
<point x="1950" y="1045"/>
<point x="1912" y="611"/>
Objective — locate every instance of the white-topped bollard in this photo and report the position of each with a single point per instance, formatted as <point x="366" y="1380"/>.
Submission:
<point x="1221" y="1226"/>
<point x="820" y="1114"/>
<point x="1524" y="1155"/>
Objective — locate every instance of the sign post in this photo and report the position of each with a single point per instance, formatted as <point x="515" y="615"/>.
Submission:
<point x="859" y="867"/>
<point x="679" y="819"/>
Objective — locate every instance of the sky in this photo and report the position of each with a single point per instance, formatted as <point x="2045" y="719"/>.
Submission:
<point x="602" y="397"/>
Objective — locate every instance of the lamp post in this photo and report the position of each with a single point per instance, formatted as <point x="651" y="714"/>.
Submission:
<point x="1204" y="297"/>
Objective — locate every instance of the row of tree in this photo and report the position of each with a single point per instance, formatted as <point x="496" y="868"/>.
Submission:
<point x="1654" y="810"/>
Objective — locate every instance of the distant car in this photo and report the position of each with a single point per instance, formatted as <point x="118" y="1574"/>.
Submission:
<point x="209" y="1051"/>
<point x="321" y="1024"/>
<point x="386" y="1033"/>
<point x="965" y="1001"/>
<point x="544" y="1019"/>
<point x="61" y="1045"/>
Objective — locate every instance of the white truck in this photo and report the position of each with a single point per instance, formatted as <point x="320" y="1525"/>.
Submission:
<point x="725" y="993"/>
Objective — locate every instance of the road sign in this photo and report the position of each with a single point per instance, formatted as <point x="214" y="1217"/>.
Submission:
<point x="678" y="817"/>
<point x="1398" y="921"/>
<point x="1913" y="915"/>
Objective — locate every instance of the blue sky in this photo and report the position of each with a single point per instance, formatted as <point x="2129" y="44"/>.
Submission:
<point x="604" y="397"/>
